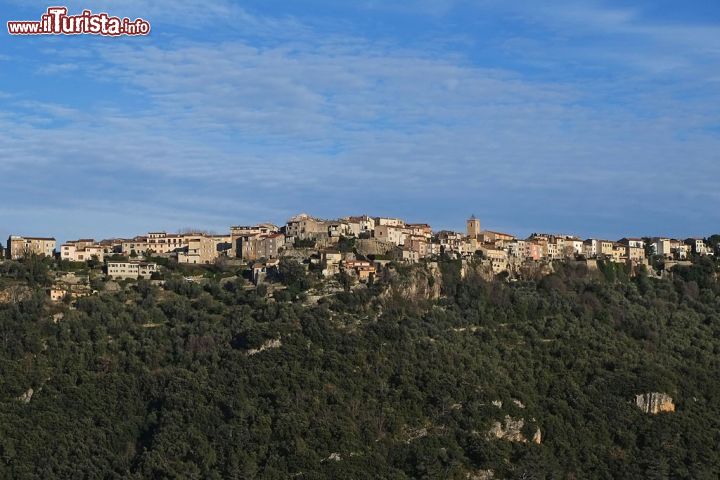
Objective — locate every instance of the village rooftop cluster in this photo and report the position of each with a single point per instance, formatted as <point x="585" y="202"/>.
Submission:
<point x="357" y="244"/>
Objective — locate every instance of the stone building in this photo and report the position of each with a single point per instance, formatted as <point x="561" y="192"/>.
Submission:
<point x="254" y="247"/>
<point x="123" y="270"/>
<point x="205" y="249"/>
<point x="19" y="246"/>
<point x="82" y="250"/>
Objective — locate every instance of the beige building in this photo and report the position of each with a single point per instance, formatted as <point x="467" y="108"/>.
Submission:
<point x="573" y="246"/>
<point x="409" y="256"/>
<point x="605" y="248"/>
<point x="634" y="253"/>
<point x="449" y="241"/>
<point x="82" y="251"/>
<point x="473" y="227"/>
<point x="418" y="229"/>
<point x="124" y="270"/>
<point x="305" y="227"/>
<point x="535" y="250"/>
<point x="418" y="244"/>
<point x="365" y="273"/>
<point x="679" y="249"/>
<point x="254" y="247"/>
<point x="497" y="238"/>
<point x="618" y="253"/>
<point x="698" y="246"/>
<point x="263" y="228"/>
<point x="364" y="270"/>
<point x="338" y="229"/>
<point x="18" y="246"/>
<point x="661" y="246"/>
<point x="498" y="258"/>
<point x="590" y="248"/>
<point x="330" y="262"/>
<point x="361" y="225"/>
<point x="518" y="249"/>
<point x="390" y="222"/>
<point x="112" y="245"/>
<point x="469" y="246"/>
<point x="560" y="246"/>
<point x="59" y="291"/>
<point x="553" y="250"/>
<point x="159" y="243"/>
<point x="246" y="231"/>
<point x="633" y="242"/>
<point x="261" y="271"/>
<point x="205" y="249"/>
<point x="389" y="233"/>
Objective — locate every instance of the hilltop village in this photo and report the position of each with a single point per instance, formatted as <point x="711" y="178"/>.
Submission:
<point x="358" y="246"/>
<point x="351" y="348"/>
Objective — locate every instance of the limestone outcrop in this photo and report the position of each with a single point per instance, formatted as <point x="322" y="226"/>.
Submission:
<point x="511" y="430"/>
<point x="481" y="475"/>
<point x="537" y="436"/>
<point x="15" y="293"/>
<point x="417" y="284"/>
<point x="277" y="343"/>
<point x="654" y="402"/>
<point x="27" y="396"/>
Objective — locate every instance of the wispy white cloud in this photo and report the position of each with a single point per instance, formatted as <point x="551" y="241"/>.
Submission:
<point x="399" y="115"/>
<point x="57" y="68"/>
<point x="592" y="32"/>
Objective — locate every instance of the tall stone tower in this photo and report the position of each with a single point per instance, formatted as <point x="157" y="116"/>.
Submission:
<point x="473" y="227"/>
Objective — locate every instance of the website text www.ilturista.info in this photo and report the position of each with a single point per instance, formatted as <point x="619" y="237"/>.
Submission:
<point x="56" y="21"/>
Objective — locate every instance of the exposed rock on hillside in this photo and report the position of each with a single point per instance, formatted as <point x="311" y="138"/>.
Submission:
<point x="481" y="475"/>
<point x="419" y="283"/>
<point x="413" y="434"/>
<point x="27" y="396"/>
<point x="511" y="431"/>
<point x="477" y="268"/>
<point x="15" y="293"/>
<point x="265" y="346"/>
<point x="655" y="402"/>
<point x="334" y="457"/>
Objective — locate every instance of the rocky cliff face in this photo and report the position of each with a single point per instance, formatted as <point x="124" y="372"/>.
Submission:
<point x="511" y="430"/>
<point x="15" y="293"/>
<point x="654" y="402"/>
<point x="419" y="283"/>
<point x="270" y="344"/>
<point x="481" y="475"/>
<point x="537" y="436"/>
<point x="27" y="396"/>
<point x="477" y="268"/>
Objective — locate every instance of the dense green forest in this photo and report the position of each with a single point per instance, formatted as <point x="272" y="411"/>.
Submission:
<point x="217" y="380"/>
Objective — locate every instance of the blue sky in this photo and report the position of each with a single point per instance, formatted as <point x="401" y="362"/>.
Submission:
<point x="591" y="117"/>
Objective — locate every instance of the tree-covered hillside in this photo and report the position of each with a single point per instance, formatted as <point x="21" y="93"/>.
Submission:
<point x="218" y="380"/>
